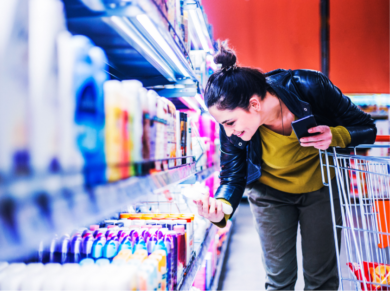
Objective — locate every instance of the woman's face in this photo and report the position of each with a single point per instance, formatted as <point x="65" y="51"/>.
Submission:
<point x="239" y="122"/>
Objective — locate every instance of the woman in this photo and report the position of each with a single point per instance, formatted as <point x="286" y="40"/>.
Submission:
<point x="260" y="150"/>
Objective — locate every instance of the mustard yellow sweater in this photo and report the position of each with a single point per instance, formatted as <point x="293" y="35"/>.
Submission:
<point x="289" y="167"/>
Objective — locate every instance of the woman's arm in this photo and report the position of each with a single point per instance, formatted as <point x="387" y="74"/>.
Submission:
<point x="323" y="95"/>
<point x="233" y="181"/>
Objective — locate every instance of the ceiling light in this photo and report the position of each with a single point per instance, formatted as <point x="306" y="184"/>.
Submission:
<point x="152" y="30"/>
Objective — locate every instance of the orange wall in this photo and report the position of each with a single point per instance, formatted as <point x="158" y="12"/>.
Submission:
<point x="273" y="34"/>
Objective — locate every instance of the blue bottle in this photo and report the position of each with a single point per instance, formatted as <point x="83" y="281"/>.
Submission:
<point x="89" y="76"/>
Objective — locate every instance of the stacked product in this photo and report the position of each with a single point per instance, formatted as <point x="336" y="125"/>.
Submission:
<point x="159" y="245"/>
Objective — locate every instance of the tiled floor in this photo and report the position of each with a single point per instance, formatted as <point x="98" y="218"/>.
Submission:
<point x="243" y="269"/>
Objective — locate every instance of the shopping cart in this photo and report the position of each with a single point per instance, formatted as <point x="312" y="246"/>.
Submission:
<point x="363" y="184"/>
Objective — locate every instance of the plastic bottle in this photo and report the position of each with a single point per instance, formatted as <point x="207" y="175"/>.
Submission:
<point x="183" y="135"/>
<point x="171" y="130"/>
<point x="131" y="90"/>
<point x="165" y="246"/>
<point x="114" y="145"/>
<point x="46" y="21"/>
<point x="87" y="244"/>
<point x="62" y="250"/>
<point x="181" y="250"/>
<point x="14" y="81"/>
<point x="146" y="124"/>
<point x="97" y="248"/>
<point x="189" y="141"/>
<point x="178" y="139"/>
<point x="171" y="237"/>
<point x="70" y="155"/>
<point x="152" y="100"/>
<point x="161" y="146"/>
<point x="111" y="248"/>
<point x="89" y="76"/>
<point x="189" y="218"/>
<point x="160" y="257"/>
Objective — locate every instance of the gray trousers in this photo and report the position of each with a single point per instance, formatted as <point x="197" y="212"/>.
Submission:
<point x="276" y="215"/>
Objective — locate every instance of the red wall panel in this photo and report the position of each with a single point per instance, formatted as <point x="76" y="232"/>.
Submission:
<point x="359" y="45"/>
<point x="286" y="34"/>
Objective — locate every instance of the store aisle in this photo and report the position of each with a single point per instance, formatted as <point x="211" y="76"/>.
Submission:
<point x="243" y="269"/>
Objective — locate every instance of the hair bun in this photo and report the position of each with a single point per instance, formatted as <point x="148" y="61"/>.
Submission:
<point x="225" y="56"/>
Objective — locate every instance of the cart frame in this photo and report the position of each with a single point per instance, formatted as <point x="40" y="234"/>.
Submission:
<point x="363" y="184"/>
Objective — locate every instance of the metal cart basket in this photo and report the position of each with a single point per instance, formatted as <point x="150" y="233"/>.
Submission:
<point x="363" y="184"/>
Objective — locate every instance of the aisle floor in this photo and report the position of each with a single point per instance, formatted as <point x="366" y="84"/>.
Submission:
<point x="243" y="269"/>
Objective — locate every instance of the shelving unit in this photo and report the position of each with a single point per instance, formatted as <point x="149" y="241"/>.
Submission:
<point x="31" y="203"/>
<point x="140" y="44"/>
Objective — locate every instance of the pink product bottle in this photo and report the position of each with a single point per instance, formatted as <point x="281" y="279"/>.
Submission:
<point x="172" y="237"/>
<point x="181" y="249"/>
<point x="200" y="279"/>
<point x="94" y="227"/>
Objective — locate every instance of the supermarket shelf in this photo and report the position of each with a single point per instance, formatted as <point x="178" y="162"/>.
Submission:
<point x="221" y="260"/>
<point x="138" y="40"/>
<point x="202" y="174"/>
<point x="197" y="260"/>
<point x="198" y="29"/>
<point x="32" y="213"/>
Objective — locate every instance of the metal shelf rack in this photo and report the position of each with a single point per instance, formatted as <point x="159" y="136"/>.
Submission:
<point x="39" y="207"/>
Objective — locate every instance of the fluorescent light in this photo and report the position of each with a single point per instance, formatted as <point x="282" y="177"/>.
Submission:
<point x="201" y="102"/>
<point x="198" y="27"/>
<point x="152" y="30"/>
<point x="191" y="104"/>
<point x="131" y="34"/>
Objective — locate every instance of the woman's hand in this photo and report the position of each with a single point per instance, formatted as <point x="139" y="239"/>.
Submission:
<point x="210" y="208"/>
<point x="321" y="141"/>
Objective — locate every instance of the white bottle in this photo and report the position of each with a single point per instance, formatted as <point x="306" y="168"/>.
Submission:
<point x="131" y="90"/>
<point x="152" y="100"/>
<point x="189" y="140"/>
<point x="13" y="82"/>
<point x="46" y="21"/>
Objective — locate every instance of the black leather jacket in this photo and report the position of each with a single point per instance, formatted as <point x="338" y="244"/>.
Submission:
<point x="304" y="92"/>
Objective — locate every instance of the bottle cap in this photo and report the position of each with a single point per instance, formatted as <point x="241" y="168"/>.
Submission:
<point x="124" y="215"/>
<point x="93" y="227"/>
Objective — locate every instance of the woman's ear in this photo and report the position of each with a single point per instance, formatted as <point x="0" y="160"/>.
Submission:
<point x="254" y="103"/>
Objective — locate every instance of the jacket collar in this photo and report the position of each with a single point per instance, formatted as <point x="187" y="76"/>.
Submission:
<point x="282" y="82"/>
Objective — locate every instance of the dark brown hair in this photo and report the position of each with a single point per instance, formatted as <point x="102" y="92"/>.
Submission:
<point x="233" y="86"/>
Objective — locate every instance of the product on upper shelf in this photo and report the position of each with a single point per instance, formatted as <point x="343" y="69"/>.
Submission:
<point x="178" y="139"/>
<point x="46" y="22"/>
<point x="114" y="139"/>
<point x="183" y="135"/>
<point x="171" y="134"/>
<point x="152" y="99"/>
<point x="134" y="91"/>
<point x="14" y="152"/>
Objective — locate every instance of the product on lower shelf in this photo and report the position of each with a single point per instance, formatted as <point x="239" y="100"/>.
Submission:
<point x="158" y="244"/>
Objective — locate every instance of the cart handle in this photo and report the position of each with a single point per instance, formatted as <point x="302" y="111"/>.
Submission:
<point x="382" y="138"/>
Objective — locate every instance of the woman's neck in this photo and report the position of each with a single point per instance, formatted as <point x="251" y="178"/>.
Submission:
<point x="275" y="115"/>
